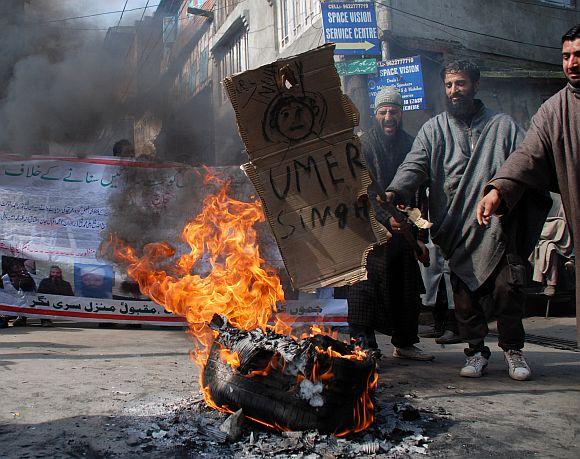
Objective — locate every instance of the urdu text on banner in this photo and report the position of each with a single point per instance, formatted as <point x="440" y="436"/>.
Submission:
<point x="54" y="212"/>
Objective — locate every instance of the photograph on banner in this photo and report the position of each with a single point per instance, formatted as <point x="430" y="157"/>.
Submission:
<point x="55" y="278"/>
<point x="16" y="275"/>
<point x="404" y="73"/>
<point x="93" y="281"/>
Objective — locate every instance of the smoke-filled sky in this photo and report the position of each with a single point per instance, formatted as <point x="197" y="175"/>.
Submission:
<point x="86" y="7"/>
<point x="57" y="82"/>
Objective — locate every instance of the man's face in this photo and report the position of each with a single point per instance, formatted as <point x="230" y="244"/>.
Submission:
<point x="460" y="92"/>
<point x="571" y="61"/>
<point x="20" y="278"/>
<point x="55" y="274"/>
<point x="389" y="118"/>
<point x="93" y="280"/>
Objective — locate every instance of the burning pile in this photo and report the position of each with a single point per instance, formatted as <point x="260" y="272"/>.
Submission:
<point x="317" y="383"/>
<point x="278" y="380"/>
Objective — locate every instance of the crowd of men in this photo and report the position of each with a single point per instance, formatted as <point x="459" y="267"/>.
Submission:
<point x="465" y="165"/>
<point x="474" y="162"/>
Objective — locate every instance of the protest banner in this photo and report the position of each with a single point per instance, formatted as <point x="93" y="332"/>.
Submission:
<point x="307" y="167"/>
<point x="55" y="212"/>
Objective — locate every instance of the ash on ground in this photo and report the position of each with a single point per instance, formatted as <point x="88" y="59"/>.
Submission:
<point x="189" y="428"/>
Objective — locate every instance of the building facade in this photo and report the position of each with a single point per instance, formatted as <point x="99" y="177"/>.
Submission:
<point x="213" y="39"/>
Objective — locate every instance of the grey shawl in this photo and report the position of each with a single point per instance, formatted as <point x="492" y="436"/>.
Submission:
<point x="455" y="161"/>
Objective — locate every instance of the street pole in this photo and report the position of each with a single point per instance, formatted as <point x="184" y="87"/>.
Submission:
<point x="384" y="23"/>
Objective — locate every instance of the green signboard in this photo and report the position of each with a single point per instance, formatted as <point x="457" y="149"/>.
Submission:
<point x="357" y="67"/>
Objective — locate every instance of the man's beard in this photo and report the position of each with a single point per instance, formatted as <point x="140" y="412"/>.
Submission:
<point x="94" y="292"/>
<point x="575" y="85"/>
<point x="463" y="108"/>
<point x="381" y="127"/>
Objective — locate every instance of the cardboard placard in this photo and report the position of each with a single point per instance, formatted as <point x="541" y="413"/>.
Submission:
<point x="307" y="167"/>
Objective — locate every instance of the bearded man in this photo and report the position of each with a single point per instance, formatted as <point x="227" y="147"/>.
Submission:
<point x="388" y="301"/>
<point x="54" y="284"/>
<point x="455" y="153"/>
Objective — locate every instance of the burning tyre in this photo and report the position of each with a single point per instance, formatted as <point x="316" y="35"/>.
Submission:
<point x="315" y="383"/>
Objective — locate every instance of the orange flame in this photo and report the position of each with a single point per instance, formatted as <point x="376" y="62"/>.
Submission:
<point x="223" y="241"/>
<point x="235" y="284"/>
<point x="229" y="357"/>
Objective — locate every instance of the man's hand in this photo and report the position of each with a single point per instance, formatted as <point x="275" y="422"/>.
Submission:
<point x="487" y="206"/>
<point x="424" y="257"/>
<point x="397" y="227"/>
<point x="391" y="197"/>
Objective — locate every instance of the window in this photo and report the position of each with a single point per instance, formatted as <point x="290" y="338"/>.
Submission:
<point x="224" y="8"/>
<point x="195" y="72"/>
<point x="295" y="16"/>
<point x="203" y="62"/>
<point x="169" y="29"/>
<point x="233" y="58"/>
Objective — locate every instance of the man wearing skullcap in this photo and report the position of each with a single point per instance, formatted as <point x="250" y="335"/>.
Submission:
<point x="95" y="282"/>
<point x="389" y="300"/>
<point x="456" y="153"/>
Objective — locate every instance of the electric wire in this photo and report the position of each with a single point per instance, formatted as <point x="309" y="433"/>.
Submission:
<point x="123" y="12"/>
<point x="464" y="30"/>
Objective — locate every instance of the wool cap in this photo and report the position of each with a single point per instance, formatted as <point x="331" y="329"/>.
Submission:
<point x="389" y="95"/>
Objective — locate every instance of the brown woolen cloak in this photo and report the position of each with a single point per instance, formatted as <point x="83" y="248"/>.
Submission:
<point x="549" y="159"/>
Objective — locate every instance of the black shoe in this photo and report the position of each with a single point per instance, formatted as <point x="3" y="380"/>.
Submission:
<point x="364" y="337"/>
<point x="46" y="323"/>
<point x="19" y="322"/>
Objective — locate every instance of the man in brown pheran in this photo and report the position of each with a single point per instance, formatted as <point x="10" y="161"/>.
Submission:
<point x="549" y="156"/>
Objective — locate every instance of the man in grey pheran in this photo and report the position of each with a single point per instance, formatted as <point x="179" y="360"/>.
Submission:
<point x="455" y="154"/>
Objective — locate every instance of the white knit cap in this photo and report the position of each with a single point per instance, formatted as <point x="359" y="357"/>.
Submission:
<point x="389" y="95"/>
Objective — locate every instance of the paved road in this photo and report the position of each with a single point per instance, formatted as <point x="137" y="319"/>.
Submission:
<point x="69" y="391"/>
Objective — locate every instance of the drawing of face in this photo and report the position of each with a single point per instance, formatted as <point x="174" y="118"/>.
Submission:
<point x="295" y="119"/>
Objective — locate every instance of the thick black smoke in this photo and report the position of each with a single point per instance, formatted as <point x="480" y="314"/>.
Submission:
<point x="57" y="83"/>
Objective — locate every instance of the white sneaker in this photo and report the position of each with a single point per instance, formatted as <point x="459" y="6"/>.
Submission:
<point x="474" y="366"/>
<point x="518" y="368"/>
<point x="412" y="353"/>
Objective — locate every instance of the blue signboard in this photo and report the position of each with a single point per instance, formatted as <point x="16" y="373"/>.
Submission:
<point x="404" y="73"/>
<point x="352" y="26"/>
